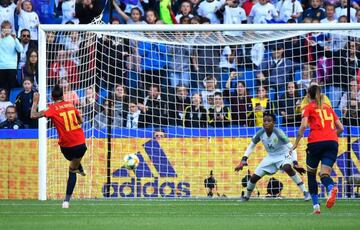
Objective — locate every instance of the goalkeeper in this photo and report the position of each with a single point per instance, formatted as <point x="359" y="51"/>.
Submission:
<point x="277" y="146"/>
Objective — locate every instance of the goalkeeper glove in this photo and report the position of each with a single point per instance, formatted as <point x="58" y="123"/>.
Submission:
<point x="243" y="163"/>
<point x="298" y="168"/>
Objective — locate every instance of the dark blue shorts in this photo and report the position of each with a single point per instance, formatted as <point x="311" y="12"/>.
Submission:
<point x="325" y="151"/>
<point x="74" y="152"/>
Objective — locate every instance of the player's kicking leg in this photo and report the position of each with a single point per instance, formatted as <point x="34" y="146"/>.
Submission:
<point x="73" y="169"/>
<point x="329" y="185"/>
<point x="297" y="180"/>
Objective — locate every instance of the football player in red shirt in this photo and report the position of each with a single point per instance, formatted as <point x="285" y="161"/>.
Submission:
<point x="322" y="144"/>
<point x="67" y="120"/>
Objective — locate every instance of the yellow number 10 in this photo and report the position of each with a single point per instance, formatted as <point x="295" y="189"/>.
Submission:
<point x="324" y="116"/>
<point x="70" y="120"/>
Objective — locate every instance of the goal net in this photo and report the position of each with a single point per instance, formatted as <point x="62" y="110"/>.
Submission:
<point x="187" y="101"/>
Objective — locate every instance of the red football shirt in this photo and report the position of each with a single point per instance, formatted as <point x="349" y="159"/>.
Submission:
<point x="321" y="122"/>
<point x="64" y="116"/>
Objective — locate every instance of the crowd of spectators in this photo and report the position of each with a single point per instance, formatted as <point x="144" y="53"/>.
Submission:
<point x="151" y="84"/>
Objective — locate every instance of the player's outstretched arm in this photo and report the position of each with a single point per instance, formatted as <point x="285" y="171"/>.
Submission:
<point x="34" y="109"/>
<point x="243" y="161"/>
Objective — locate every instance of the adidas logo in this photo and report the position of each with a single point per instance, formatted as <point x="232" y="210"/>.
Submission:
<point x="144" y="183"/>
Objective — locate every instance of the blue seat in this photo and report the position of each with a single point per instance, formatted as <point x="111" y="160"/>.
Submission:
<point x="13" y="93"/>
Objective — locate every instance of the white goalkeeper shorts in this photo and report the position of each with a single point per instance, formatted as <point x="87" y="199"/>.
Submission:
<point x="270" y="164"/>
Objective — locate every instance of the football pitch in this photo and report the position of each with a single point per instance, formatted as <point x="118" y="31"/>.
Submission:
<point x="177" y="214"/>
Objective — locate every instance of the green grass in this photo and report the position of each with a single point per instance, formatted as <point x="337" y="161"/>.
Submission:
<point x="177" y="214"/>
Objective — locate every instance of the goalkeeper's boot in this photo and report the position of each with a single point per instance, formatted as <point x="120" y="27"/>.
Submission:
<point x="307" y="196"/>
<point x="332" y="197"/>
<point x="244" y="199"/>
<point x="316" y="209"/>
<point x="65" y="204"/>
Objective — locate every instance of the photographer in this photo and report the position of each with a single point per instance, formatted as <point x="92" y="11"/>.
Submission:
<point x="210" y="185"/>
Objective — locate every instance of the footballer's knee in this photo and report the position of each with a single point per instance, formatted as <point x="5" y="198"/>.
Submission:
<point x="325" y="170"/>
<point x="289" y="170"/>
<point x="254" y="178"/>
<point x="311" y="171"/>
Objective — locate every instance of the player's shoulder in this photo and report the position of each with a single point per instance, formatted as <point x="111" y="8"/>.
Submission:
<point x="280" y="134"/>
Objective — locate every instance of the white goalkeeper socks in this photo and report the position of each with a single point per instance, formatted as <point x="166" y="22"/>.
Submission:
<point x="299" y="182"/>
<point x="250" y="187"/>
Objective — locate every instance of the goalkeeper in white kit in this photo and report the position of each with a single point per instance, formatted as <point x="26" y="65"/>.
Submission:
<point x="277" y="146"/>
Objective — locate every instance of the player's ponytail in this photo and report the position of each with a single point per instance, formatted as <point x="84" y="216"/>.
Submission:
<point x="315" y="94"/>
<point x="57" y="92"/>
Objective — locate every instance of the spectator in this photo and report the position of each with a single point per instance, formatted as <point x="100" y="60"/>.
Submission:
<point x="121" y="103"/>
<point x="89" y="104"/>
<point x="68" y="11"/>
<point x="179" y="67"/>
<point x="262" y="12"/>
<point x="182" y="101"/>
<point x="7" y="12"/>
<point x="185" y="10"/>
<point x="72" y="46"/>
<point x="288" y="102"/>
<point x="63" y="67"/>
<point x="260" y="103"/>
<point x="69" y="94"/>
<point x="208" y="10"/>
<point x="52" y="46"/>
<point x="330" y="14"/>
<point x="195" y="115"/>
<point x="4" y="103"/>
<point x="87" y="10"/>
<point x="24" y="101"/>
<point x="233" y="14"/>
<point x="151" y="16"/>
<point x="358" y="15"/>
<point x="209" y="83"/>
<point x="219" y="114"/>
<point x="9" y="46"/>
<point x="27" y="45"/>
<point x="30" y="69"/>
<point x="195" y="6"/>
<point x="342" y="11"/>
<point x="135" y="15"/>
<point x="350" y="105"/>
<point x="228" y="59"/>
<point x="156" y="108"/>
<point x="315" y="11"/>
<point x="101" y="119"/>
<point x="240" y="102"/>
<point x="345" y="65"/>
<point x="307" y="74"/>
<point x="185" y="20"/>
<point x="276" y="70"/>
<point x="11" y="122"/>
<point x="289" y="9"/>
<point x="134" y="119"/>
<point x="28" y="18"/>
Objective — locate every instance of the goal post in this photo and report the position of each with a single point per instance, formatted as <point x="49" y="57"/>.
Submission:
<point x="99" y="58"/>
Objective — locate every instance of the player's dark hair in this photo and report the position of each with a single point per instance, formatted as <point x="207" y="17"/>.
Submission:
<point x="57" y="92"/>
<point x="269" y="114"/>
<point x="314" y="92"/>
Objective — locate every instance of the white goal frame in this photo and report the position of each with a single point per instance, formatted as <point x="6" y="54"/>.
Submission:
<point x="146" y="28"/>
